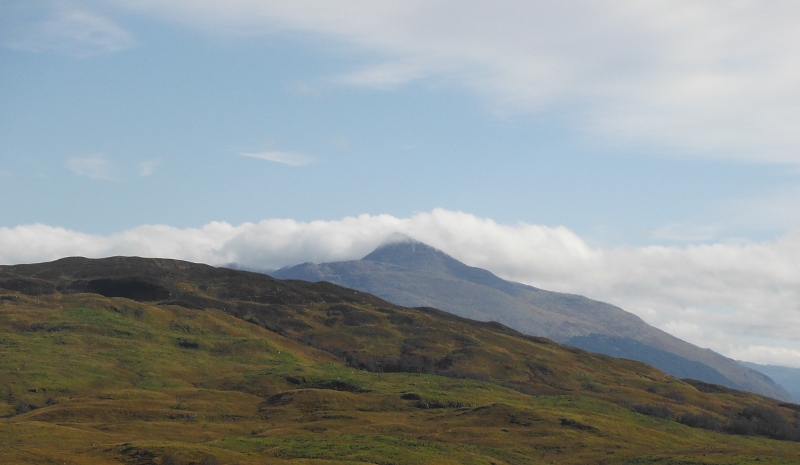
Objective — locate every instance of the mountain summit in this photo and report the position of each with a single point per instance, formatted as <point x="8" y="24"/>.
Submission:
<point x="411" y="253"/>
<point x="413" y="274"/>
<point x="414" y="255"/>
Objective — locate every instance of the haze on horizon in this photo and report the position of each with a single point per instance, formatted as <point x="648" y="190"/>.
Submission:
<point x="640" y="153"/>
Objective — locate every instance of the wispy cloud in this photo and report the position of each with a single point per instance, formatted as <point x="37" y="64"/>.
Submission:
<point x="94" y="167"/>
<point x="74" y="32"/>
<point x="148" y="167"/>
<point x="740" y="298"/>
<point x="698" y="78"/>
<point x="286" y="158"/>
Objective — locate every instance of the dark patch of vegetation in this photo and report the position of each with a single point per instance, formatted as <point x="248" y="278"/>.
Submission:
<point x="707" y="388"/>
<point x="514" y="420"/>
<point x="436" y="404"/>
<point x="22" y="407"/>
<point x="9" y="298"/>
<point x="405" y="363"/>
<point x="790" y="406"/>
<point x="188" y="344"/>
<point x="762" y="421"/>
<point x="652" y="410"/>
<point x="28" y="286"/>
<point x="137" y="456"/>
<point x="703" y="421"/>
<point x="538" y="369"/>
<point x="429" y="404"/>
<point x="296" y="380"/>
<point x="410" y="396"/>
<point x="282" y="398"/>
<point x="337" y="385"/>
<point x="576" y="424"/>
<point x="133" y="288"/>
<point x="48" y="328"/>
<point x="193" y="301"/>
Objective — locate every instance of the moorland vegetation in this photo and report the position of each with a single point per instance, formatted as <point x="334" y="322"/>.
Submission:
<point x="161" y="362"/>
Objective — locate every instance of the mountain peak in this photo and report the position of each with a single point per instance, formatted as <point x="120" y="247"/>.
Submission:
<point x="405" y="251"/>
<point x="411" y="254"/>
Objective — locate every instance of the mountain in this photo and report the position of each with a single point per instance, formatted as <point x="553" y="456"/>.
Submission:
<point x="785" y="376"/>
<point x="160" y="362"/>
<point x="413" y="274"/>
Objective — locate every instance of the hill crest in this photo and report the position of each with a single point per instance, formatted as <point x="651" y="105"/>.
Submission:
<point x="410" y="273"/>
<point x="217" y="366"/>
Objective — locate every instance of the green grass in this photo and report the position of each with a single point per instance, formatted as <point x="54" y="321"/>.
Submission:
<point x="86" y="379"/>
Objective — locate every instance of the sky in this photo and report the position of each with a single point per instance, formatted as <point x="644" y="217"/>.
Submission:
<point x="644" y="153"/>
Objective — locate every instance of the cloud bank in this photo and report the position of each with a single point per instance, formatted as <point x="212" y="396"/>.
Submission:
<point x="703" y="78"/>
<point x="739" y="298"/>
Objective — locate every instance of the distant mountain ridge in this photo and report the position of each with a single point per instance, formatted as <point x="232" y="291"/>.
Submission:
<point x="785" y="376"/>
<point x="413" y="274"/>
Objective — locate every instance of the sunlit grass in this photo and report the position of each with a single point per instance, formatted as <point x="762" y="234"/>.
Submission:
<point x="92" y="380"/>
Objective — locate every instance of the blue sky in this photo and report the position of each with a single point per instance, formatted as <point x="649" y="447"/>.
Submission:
<point x="186" y="102"/>
<point x="623" y="127"/>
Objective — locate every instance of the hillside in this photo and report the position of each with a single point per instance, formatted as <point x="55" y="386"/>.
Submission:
<point x="146" y="361"/>
<point x="786" y="376"/>
<point x="413" y="274"/>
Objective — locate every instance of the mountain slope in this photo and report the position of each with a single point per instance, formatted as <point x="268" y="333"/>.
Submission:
<point x="785" y="376"/>
<point x="411" y="273"/>
<point x="157" y="362"/>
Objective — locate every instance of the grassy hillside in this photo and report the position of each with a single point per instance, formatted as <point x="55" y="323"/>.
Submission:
<point x="411" y="273"/>
<point x="213" y="366"/>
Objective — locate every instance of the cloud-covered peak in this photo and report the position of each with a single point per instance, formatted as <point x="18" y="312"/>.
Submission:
<point x="740" y="299"/>
<point x="398" y="238"/>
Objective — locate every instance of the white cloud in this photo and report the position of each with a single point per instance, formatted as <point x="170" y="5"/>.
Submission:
<point x="704" y="78"/>
<point x="739" y="298"/>
<point x="94" y="167"/>
<point x="286" y="158"/>
<point x="71" y="32"/>
<point x="148" y="167"/>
